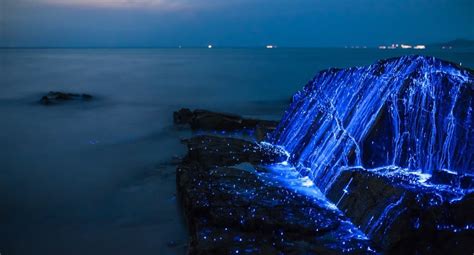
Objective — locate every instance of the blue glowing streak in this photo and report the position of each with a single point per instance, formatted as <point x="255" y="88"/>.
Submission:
<point x="415" y="111"/>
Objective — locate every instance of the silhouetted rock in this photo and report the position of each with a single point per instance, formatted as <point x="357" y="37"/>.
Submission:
<point x="207" y="120"/>
<point x="55" y="97"/>
<point x="183" y="116"/>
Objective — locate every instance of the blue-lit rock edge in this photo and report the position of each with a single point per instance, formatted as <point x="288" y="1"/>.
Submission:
<point x="404" y="121"/>
<point x="414" y="112"/>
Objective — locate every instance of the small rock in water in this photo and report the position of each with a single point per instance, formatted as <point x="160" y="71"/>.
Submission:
<point x="55" y="97"/>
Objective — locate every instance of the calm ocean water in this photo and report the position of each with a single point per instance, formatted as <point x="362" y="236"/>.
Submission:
<point x="98" y="177"/>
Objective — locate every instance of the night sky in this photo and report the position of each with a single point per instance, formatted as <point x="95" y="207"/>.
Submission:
<point x="244" y="23"/>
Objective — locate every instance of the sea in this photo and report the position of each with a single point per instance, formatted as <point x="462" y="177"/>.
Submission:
<point x="98" y="177"/>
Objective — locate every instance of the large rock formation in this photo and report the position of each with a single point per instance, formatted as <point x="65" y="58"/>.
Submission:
<point x="414" y="112"/>
<point x="236" y="210"/>
<point x="409" y="119"/>
<point x="390" y="145"/>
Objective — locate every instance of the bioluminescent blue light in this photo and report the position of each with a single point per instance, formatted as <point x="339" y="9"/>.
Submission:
<point x="413" y="112"/>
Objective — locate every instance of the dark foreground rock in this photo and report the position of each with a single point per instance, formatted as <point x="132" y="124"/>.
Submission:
<point x="233" y="210"/>
<point x="55" y="97"/>
<point x="211" y="151"/>
<point x="404" y="213"/>
<point x="207" y="120"/>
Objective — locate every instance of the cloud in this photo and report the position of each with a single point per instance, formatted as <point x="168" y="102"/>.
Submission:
<point x="155" y="4"/>
<point x="166" y="5"/>
<point x="150" y="5"/>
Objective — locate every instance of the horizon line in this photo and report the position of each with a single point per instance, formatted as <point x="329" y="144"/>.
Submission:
<point x="205" y="47"/>
<point x="214" y="46"/>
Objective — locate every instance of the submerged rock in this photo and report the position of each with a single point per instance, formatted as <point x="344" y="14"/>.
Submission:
<point x="232" y="210"/>
<point x="55" y="97"/>
<point x="207" y="120"/>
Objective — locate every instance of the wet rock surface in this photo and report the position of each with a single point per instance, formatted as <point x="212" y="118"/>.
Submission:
<point x="405" y="214"/>
<point x="232" y="210"/>
<point x="55" y="97"/>
<point x="415" y="112"/>
<point x="409" y="119"/>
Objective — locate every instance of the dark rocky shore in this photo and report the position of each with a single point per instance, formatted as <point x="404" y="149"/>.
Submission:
<point x="388" y="147"/>
<point x="233" y="206"/>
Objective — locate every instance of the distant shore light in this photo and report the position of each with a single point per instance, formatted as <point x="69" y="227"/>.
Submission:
<point x="419" y="47"/>
<point x="209" y="46"/>
<point x="270" y="46"/>
<point x="392" y="46"/>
